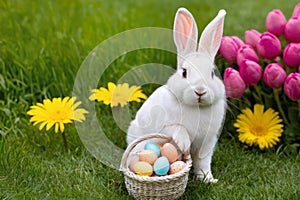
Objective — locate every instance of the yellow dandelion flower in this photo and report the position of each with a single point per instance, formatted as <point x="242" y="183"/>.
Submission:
<point x="259" y="127"/>
<point x="56" y="112"/>
<point x="118" y="94"/>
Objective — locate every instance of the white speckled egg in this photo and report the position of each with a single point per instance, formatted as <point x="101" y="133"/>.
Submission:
<point x="147" y="156"/>
<point x="161" y="166"/>
<point x="176" y="167"/>
<point x="169" y="150"/>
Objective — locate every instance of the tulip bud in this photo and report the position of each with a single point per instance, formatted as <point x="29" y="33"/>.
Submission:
<point x="252" y="37"/>
<point x="268" y="46"/>
<point x="275" y="22"/>
<point x="228" y="48"/>
<point x="292" y="86"/>
<point x="246" y="52"/>
<point x="291" y="55"/>
<point x="237" y="40"/>
<point x="234" y="84"/>
<point x="296" y="12"/>
<point x="250" y="72"/>
<point x="292" y="29"/>
<point x="274" y="75"/>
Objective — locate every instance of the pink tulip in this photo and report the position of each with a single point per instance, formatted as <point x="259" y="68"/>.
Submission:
<point x="296" y="12"/>
<point x="238" y="41"/>
<point x="228" y="48"/>
<point x="250" y="72"/>
<point x="291" y="55"/>
<point x="292" y="29"/>
<point x="292" y="86"/>
<point x="246" y="52"/>
<point x="274" y="75"/>
<point x="234" y="84"/>
<point x="252" y="37"/>
<point x="268" y="46"/>
<point x="275" y="22"/>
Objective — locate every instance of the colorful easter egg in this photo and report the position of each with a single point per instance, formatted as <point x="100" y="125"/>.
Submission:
<point x="161" y="166"/>
<point x="169" y="150"/>
<point x="176" y="167"/>
<point x="132" y="162"/>
<point x="153" y="147"/>
<point x="143" y="168"/>
<point x="147" y="156"/>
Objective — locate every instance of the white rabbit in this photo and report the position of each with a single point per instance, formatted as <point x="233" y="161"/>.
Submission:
<point x="191" y="106"/>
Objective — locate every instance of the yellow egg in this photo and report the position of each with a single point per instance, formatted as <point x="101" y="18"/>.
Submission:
<point x="176" y="167"/>
<point x="148" y="156"/>
<point x="143" y="168"/>
<point x="169" y="150"/>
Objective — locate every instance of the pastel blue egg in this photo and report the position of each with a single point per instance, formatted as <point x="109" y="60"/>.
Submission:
<point x="161" y="166"/>
<point x="153" y="147"/>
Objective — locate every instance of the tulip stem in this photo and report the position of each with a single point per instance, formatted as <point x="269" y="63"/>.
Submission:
<point x="289" y="70"/>
<point x="281" y="111"/>
<point x="298" y="108"/>
<point x="258" y="91"/>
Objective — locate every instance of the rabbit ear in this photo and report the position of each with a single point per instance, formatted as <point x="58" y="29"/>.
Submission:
<point x="185" y="33"/>
<point x="210" y="39"/>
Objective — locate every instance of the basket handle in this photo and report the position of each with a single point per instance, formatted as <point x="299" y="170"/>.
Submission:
<point x="136" y="142"/>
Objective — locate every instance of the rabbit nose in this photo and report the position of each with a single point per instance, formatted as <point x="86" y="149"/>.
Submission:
<point x="200" y="94"/>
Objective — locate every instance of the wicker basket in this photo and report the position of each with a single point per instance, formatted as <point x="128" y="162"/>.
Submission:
<point x="161" y="187"/>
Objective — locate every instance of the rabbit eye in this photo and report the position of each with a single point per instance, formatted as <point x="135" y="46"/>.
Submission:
<point x="212" y="74"/>
<point x="183" y="72"/>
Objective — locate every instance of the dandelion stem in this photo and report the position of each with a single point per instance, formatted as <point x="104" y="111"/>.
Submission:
<point x="281" y="111"/>
<point x="65" y="141"/>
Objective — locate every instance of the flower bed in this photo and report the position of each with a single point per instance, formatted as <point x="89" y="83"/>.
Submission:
<point x="265" y="69"/>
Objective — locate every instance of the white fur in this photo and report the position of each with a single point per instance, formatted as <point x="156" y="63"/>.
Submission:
<point x="175" y="109"/>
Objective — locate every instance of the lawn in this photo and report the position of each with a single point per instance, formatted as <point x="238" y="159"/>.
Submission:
<point x="42" y="46"/>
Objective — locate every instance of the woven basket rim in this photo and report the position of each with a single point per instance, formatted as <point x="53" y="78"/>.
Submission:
<point x="127" y="172"/>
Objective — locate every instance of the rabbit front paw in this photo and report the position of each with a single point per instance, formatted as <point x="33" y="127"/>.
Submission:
<point x="179" y="135"/>
<point x="183" y="142"/>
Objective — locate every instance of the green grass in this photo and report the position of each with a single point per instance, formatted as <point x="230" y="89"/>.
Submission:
<point x="42" y="45"/>
<point x="34" y="171"/>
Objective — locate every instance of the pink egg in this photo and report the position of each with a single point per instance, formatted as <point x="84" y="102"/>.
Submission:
<point x="169" y="150"/>
<point x="132" y="162"/>
<point x="176" y="167"/>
